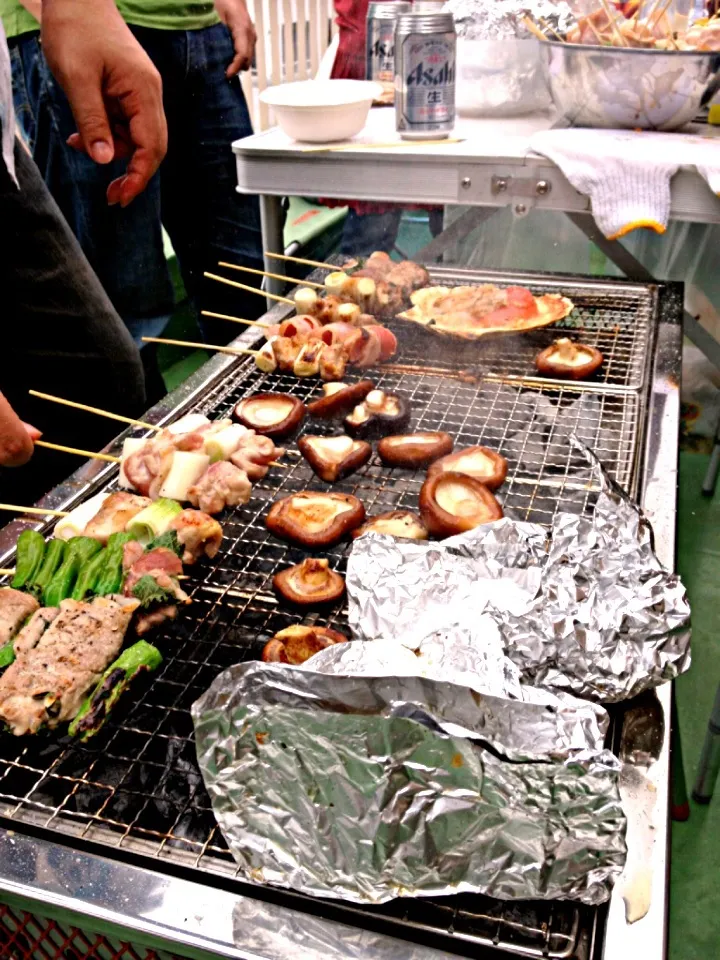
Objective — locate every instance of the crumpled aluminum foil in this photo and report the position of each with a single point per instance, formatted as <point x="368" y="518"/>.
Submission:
<point x="502" y="19"/>
<point x="368" y="788"/>
<point x="589" y="610"/>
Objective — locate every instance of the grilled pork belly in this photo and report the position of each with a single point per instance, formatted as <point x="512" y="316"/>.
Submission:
<point x="15" y="608"/>
<point x="47" y="683"/>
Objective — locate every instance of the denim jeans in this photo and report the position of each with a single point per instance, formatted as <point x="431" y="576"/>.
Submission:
<point x="60" y="335"/>
<point x="193" y="194"/>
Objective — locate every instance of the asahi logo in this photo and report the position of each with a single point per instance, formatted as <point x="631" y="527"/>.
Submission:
<point x="383" y="49"/>
<point x="431" y="75"/>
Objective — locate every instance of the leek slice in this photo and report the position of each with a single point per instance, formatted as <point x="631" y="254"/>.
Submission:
<point x="154" y="520"/>
<point x="73" y="525"/>
<point x="185" y="470"/>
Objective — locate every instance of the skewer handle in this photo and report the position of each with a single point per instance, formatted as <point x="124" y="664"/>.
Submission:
<point x="40" y="511"/>
<point x="308" y="263"/>
<point x="81" y="453"/>
<point x="249" y="289"/>
<point x="100" y="413"/>
<point x="273" y="276"/>
<point x="235" y="351"/>
<point x="226" y="316"/>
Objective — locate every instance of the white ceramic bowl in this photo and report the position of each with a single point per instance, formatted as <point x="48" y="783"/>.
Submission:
<point x="322" y="111"/>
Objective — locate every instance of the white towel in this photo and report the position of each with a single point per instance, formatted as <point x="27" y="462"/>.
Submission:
<point x="627" y="173"/>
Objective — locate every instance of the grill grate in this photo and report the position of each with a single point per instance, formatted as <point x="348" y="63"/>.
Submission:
<point x="137" y="787"/>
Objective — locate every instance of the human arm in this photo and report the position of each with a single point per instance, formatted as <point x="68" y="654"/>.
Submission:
<point x="114" y="90"/>
<point x="236" y="18"/>
<point x="16" y="437"/>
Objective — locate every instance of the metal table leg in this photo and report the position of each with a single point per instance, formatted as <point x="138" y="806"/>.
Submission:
<point x="709" y="765"/>
<point x="634" y="270"/>
<point x="271" y="223"/>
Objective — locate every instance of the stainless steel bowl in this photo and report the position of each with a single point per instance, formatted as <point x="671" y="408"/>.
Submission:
<point x="627" y="87"/>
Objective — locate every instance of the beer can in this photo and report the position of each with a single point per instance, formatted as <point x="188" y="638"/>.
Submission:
<point x="424" y="75"/>
<point x="380" y="43"/>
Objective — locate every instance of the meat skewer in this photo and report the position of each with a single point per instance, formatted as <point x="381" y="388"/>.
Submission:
<point x="266" y="273"/>
<point x="87" y="409"/>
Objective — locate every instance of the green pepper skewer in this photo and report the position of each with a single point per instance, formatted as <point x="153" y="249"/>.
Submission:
<point x="117" y="678"/>
<point x="29" y="557"/>
<point x="111" y="578"/>
<point x="88" y="576"/>
<point x="79" y="551"/>
<point x="54" y="556"/>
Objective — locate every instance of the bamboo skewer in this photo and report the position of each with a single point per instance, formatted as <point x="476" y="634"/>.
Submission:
<point x="244" y="286"/>
<point x="548" y="26"/>
<point x="308" y="263"/>
<point x="595" y="32"/>
<point x="235" y="351"/>
<point x="273" y="276"/>
<point x="7" y="573"/>
<point x="81" y="453"/>
<point x="87" y="409"/>
<point x="659" y="15"/>
<point x="226" y="316"/>
<point x="534" y="29"/>
<point x="613" y="22"/>
<point x="40" y="511"/>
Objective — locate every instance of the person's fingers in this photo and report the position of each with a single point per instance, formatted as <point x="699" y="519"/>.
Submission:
<point x="121" y="145"/>
<point x="237" y="64"/>
<point x="32" y="431"/>
<point x="124" y="189"/>
<point x="92" y="121"/>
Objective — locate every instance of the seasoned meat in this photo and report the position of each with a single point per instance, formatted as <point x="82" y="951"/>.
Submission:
<point x="31" y="634"/>
<point x="163" y="566"/>
<point x="46" y="684"/>
<point x="254" y="455"/>
<point x="197" y="531"/>
<point x="115" y="514"/>
<point x="145" y="622"/>
<point x="15" y="608"/>
<point x="222" y="485"/>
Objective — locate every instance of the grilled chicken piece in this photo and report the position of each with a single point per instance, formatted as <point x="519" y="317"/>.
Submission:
<point x="198" y="533"/>
<point x="222" y="485"/>
<point x="254" y="455"/>
<point x="115" y="514"/>
<point x="47" y="683"/>
<point x="15" y="608"/>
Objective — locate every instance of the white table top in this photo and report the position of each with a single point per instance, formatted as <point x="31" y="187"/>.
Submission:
<point x="271" y="163"/>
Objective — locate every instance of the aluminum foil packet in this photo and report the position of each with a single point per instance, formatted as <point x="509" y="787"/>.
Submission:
<point x="369" y="787"/>
<point x="587" y="609"/>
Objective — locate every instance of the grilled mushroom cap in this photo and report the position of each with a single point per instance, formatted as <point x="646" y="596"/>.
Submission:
<point x="315" y="519"/>
<point x="378" y="415"/>
<point x="310" y="583"/>
<point x="333" y="458"/>
<point x="453" y="503"/>
<point x="273" y="415"/>
<point x="414" y="449"/>
<point x="339" y="398"/>
<point x="298" y="643"/>
<point x="396" y="523"/>
<point x="481" y="463"/>
<point x="567" y="360"/>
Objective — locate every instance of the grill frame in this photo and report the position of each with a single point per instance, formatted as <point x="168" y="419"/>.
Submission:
<point x="624" y="397"/>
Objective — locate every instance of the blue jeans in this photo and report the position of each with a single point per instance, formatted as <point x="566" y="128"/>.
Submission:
<point x="193" y="194"/>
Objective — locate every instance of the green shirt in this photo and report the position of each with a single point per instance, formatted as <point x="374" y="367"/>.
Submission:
<point x="159" y="14"/>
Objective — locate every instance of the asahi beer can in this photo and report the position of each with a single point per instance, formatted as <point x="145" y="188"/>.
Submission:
<point x="424" y="75"/>
<point x="380" y="43"/>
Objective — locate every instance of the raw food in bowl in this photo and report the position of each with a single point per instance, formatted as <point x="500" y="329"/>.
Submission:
<point x="322" y="111"/>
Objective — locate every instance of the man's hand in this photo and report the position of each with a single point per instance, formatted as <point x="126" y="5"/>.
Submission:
<point x="114" y="90"/>
<point x="16" y="437"/>
<point x="234" y="15"/>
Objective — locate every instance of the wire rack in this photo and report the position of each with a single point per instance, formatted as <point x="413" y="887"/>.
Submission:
<point x="137" y="788"/>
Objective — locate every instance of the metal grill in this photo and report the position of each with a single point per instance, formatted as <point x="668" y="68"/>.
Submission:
<point x="26" y="936"/>
<point x="136" y="787"/>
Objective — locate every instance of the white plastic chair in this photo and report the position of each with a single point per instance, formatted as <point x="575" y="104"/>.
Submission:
<point x="293" y="40"/>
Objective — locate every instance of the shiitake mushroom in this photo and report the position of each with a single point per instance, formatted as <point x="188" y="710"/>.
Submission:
<point x="296" y="644"/>
<point x="395" y="523"/>
<point x="333" y="458"/>
<point x="275" y="415"/>
<point x="453" y="503"/>
<point x="378" y="415"/>
<point x="566" y="360"/>
<point x="309" y="584"/>
<point x="414" y="449"/>
<point x="481" y="463"/>
<point x="315" y="518"/>
<point x="338" y="398"/>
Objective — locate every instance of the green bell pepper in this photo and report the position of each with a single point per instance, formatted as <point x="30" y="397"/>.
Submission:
<point x="29" y="557"/>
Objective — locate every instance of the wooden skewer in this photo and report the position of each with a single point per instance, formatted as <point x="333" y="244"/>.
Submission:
<point x="534" y="29"/>
<point x="244" y="286"/>
<point x="653" y="11"/>
<point x="225" y="316"/>
<point x="594" y="30"/>
<point x="81" y="453"/>
<point x="613" y="23"/>
<point x="273" y="276"/>
<point x="87" y="409"/>
<point x="659" y="15"/>
<point x="548" y="26"/>
<point x="308" y="263"/>
<point x="7" y="573"/>
<point x="41" y="511"/>
<point x="235" y="351"/>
